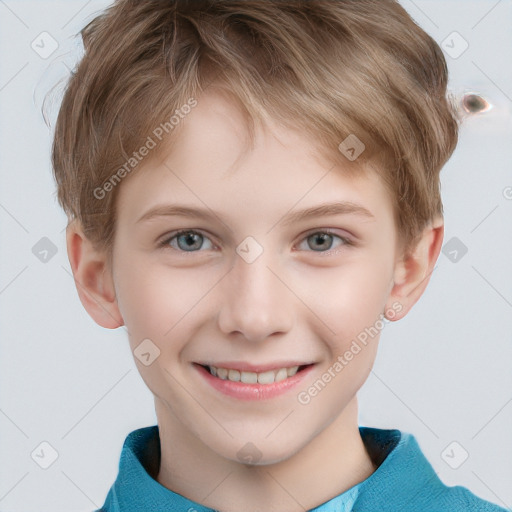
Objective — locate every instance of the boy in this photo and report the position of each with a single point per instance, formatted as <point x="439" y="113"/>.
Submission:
<point x="202" y="149"/>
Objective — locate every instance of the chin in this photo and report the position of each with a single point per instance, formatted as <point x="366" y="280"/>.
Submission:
<point x="263" y="452"/>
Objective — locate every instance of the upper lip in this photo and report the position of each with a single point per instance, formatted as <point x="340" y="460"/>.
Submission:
<point x="256" y="368"/>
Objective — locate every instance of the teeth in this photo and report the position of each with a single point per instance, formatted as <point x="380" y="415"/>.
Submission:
<point x="234" y="375"/>
<point x="222" y="373"/>
<point x="292" y="371"/>
<point x="281" y="375"/>
<point x="249" y="377"/>
<point x="252" y="377"/>
<point x="266" y="377"/>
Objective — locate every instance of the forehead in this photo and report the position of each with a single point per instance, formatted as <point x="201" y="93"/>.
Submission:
<point x="218" y="130"/>
<point x="212" y="162"/>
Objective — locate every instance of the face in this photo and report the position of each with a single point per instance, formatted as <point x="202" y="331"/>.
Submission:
<point x="240" y="285"/>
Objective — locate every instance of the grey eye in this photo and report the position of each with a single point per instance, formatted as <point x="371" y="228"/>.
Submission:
<point x="473" y="103"/>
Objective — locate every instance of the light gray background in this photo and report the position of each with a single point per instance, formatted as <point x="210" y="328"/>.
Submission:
<point x="443" y="373"/>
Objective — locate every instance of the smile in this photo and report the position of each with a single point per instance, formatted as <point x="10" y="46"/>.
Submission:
<point x="268" y="377"/>
<point x="246" y="383"/>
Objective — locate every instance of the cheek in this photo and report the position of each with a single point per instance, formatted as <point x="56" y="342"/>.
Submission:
<point x="353" y="298"/>
<point x="157" y="302"/>
<point x="351" y="312"/>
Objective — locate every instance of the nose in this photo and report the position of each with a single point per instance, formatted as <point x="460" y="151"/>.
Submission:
<point x="256" y="302"/>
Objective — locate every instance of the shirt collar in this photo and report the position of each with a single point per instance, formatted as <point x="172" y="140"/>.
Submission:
<point x="395" y="453"/>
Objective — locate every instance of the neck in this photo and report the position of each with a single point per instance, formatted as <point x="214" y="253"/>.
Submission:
<point x="333" y="462"/>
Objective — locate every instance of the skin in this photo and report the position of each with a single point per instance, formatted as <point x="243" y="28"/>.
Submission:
<point x="302" y="298"/>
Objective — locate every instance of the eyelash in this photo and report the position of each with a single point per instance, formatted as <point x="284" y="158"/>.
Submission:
<point x="164" y="244"/>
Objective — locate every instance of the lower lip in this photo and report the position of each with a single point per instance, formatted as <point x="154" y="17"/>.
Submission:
<point x="244" y="391"/>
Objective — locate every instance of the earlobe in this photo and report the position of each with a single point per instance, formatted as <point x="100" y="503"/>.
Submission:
<point x="413" y="271"/>
<point x="93" y="278"/>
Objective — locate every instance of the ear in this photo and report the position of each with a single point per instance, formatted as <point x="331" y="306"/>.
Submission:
<point x="413" y="270"/>
<point x="93" y="278"/>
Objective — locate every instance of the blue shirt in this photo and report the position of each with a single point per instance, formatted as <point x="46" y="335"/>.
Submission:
<point x="404" y="480"/>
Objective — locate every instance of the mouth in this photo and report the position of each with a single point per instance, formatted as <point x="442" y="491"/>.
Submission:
<point x="247" y="382"/>
<point x="267" y="377"/>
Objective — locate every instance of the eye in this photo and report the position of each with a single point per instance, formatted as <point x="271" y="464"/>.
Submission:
<point x="191" y="241"/>
<point x="322" y="241"/>
<point x="186" y="241"/>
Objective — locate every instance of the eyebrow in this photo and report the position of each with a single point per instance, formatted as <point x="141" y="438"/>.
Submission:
<point x="337" y="208"/>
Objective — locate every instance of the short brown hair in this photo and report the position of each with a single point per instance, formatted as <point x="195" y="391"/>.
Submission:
<point x="330" y="68"/>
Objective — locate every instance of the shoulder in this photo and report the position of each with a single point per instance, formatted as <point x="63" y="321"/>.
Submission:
<point x="460" y="498"/>
<point x="405" y="481"/>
